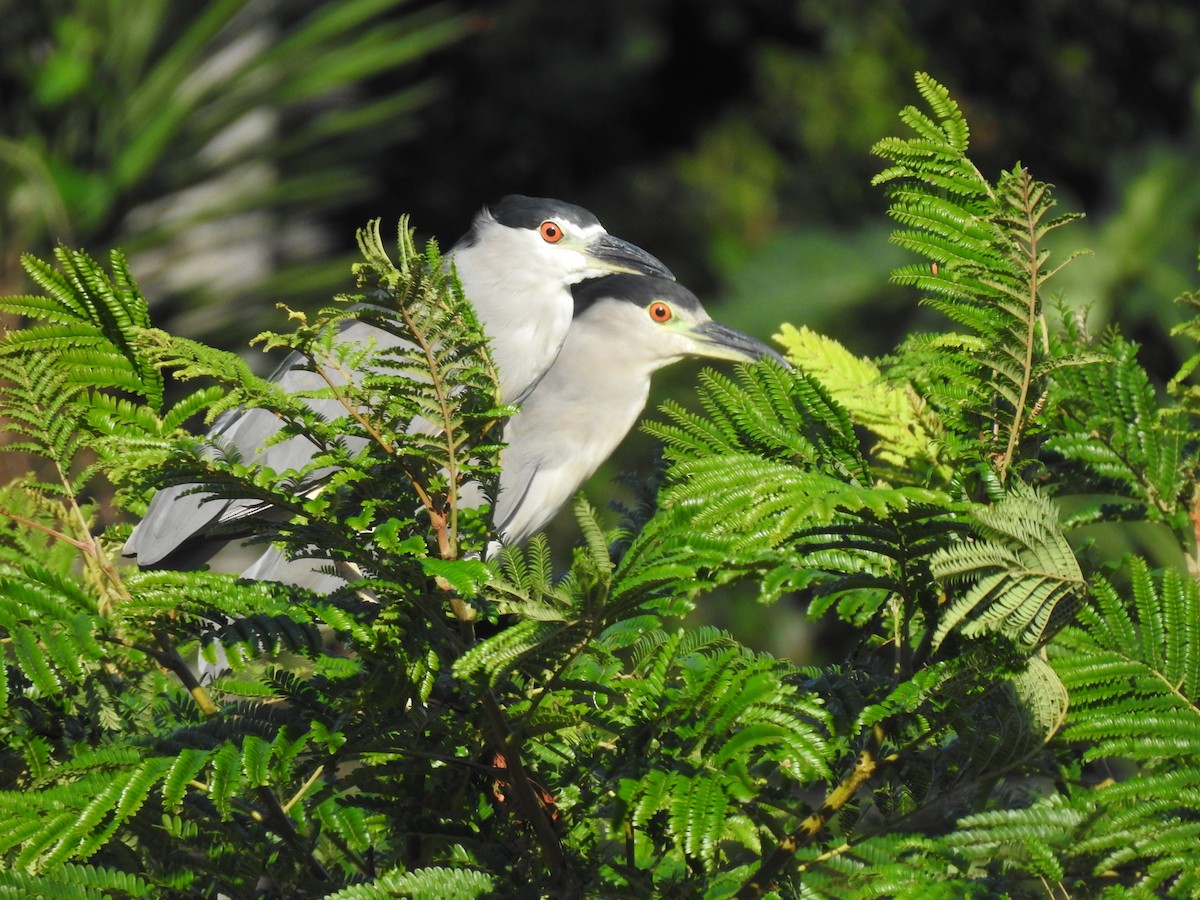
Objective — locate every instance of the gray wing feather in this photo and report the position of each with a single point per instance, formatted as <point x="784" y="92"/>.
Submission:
<point x="511" y="513"/>
<point x="273" y="565"/>
<point x="175" y="516"/>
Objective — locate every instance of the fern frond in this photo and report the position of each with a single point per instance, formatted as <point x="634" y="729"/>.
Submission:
<point x="74" y="824"/>
<point x="532" y="645"/>
<point x="1033" y="840"/>
<point x="768" y="412"/>
<point x="939" y="150"/>
<point x="43" y="411"/>
<point x="98" y="319"/>
<point x="1022" y="578"/>
<point x="1115" y="438"/>
<point x="892" y="412"/>
<point x="50" y="624"/>
<point x="595" y="540"/>
<point x="710" y="705"/>
<point x="433" y="881"/>
<point x="1132" y="668"/>
<point x="988" y="269"/>
<point x="447" y="724"/>
<point x="76" y="882"/>
<point x="1147" y="827"/>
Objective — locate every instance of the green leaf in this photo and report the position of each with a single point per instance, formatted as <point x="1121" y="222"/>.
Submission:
<point x="1019" y="576"/>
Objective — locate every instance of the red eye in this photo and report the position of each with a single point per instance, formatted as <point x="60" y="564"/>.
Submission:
<point x="551" y="233"/>
<point x="660" y="312"/>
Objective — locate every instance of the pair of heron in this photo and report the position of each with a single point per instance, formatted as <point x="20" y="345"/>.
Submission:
<point x="578" y="322"/>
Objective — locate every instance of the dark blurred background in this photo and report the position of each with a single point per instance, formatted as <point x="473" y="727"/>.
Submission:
<point x="232" y="147"/>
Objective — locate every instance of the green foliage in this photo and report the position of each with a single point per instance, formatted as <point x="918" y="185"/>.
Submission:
<point x="1133" y="658"/>
<point x="453" y="884"/>
<point x="987" y="271"/>
<point x="1118" y="442"/>
<point x="147" y="122"/>
<point x="1125" y="822"/>
<point x="891" y="411"/>
<point x="1016" y="715"/>
<point x="1021" y="570"/>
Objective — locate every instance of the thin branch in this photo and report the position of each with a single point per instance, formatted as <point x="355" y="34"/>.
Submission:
<point x="304" y="788"/>
<point x="785" y="851"/>
<point x="276" y="819"/>
<point x="445" y="408"/>
<point x="353" y="410"/>
<point x="91" y="547"/>
<point x="532" y="810"/>
<point x="169" y="656"/>
<point x="81" y="546"/>
<point x="279" y="821"/>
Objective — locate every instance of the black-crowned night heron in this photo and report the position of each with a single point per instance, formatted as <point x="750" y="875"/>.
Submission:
<point x="517" y="265"/>
<point x="625" y="329"/>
